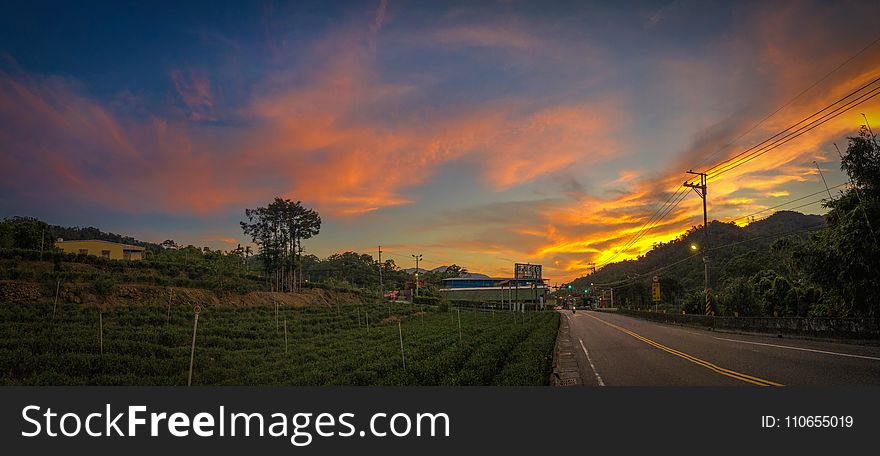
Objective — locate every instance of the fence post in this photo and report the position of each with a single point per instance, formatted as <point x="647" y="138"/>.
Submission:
<point x="170" y="297"/>
<point x="101" y="331"/>
<point x="192" y="353"/>
<point x="402" y="354"/>
<point x="285" y="335"/>
<point x="55" y="306"/>
<point x="459" y="323"/>
<point x="276" y="314"/>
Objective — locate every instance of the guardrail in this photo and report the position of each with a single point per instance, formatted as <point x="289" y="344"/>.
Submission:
<point x="842" y="328"/>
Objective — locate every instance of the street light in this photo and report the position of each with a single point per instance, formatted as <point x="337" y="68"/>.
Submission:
<point x="695" y="247"/>
<point x="417" y="258"/>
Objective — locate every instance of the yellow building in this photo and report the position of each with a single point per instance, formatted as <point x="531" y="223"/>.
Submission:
<point x="106" y="249"/>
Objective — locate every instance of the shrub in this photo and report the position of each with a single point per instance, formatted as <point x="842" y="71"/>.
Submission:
<point x="426" y="300"/>
<point x="102" y="285"/>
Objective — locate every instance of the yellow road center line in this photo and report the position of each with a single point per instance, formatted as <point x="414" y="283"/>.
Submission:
<point x="726" y="372"/>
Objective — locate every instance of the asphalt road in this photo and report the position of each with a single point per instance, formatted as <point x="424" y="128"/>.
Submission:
<point x="618" y="350"/>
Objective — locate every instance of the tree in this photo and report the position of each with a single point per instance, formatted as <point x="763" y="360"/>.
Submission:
<point x="26" y="233"/>
<point x="738" y="299"/>
<point x="278" y="230"/>
<point x="844" y="259"/>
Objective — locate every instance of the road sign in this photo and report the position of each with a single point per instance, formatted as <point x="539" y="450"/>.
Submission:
<point x="655" y="291"/>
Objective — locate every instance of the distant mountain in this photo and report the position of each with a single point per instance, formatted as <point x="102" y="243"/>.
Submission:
<point x="727" y="241"/>
<point x="473" y="275"/>
<point x="438" y="269"/>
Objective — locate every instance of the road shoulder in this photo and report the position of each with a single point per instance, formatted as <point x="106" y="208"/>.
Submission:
<point x="565" y="364"/>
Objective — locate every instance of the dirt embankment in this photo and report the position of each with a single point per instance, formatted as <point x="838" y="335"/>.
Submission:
<point x="132" y="294"/>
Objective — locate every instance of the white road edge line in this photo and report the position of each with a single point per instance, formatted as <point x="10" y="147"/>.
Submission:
<point x="592" y="366"/>
<point x="801" y="349"/>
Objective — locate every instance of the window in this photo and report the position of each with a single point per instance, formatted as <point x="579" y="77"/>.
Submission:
<point x="126" y="255"/>
<point x="84" y="251"/>
<point x="105" y="253"/>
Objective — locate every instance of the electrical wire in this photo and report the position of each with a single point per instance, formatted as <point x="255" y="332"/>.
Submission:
<point x="712" y="249"/>
<point x="787" y="203"/>
<point x="792" y="100"/>
<point x="795" y="130"/>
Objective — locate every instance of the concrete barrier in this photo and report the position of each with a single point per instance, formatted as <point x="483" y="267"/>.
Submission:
<point x="838" y="328"/>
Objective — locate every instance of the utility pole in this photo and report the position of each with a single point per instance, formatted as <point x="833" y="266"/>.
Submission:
<point x="418" y="258"/>
<point x="381" y="287"/>
<point x="700" y="189"/>
<point x="592" y="267"/>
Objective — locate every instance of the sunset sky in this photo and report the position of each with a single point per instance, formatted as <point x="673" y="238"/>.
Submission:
<point x="480" y="134"/>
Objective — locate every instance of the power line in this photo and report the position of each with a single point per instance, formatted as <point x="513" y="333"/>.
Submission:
<point x="662" y="212"/>
<point x="787" y="135"/>
<point x="661" y="269"/>
<point x="643" y="275"/>
<point x="650" y="220"/>
<point x="801" y="131"/>
<point x="786" y="203"/>
<point x="765" y="146"/>
<point x="757" y="150"/>
<point x="789" y="102"/>
<point x="787" y="233"/>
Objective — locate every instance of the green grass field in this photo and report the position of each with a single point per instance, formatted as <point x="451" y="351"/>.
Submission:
<point x="339" y="345"/>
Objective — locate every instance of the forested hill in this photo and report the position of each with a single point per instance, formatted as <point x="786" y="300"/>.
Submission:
<point x="747" y="246"/>
<point x="32" y="233"/>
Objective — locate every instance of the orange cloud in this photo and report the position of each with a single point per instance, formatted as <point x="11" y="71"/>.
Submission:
<point x="333" y="136"/>
<point x="86" y="154"/>
<point x="340" y="141"/>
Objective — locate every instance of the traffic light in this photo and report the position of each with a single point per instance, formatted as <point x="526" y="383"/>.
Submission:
<point x="569" y="286"/>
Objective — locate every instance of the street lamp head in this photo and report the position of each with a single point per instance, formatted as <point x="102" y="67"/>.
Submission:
<point x="694" y="247"/>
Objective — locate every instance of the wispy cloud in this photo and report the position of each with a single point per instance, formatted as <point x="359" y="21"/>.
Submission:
<point x="194" y="91"/>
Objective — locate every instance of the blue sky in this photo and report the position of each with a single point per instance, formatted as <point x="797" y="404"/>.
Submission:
<point x="474" y="133"/>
